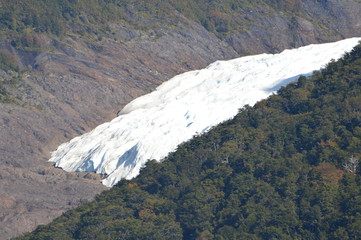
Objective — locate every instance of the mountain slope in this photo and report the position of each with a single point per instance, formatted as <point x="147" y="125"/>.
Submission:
<point x="72" y="86"/>
<point x="68" y="66"/>
<point x="153" y="125"/>
<point x="285" y="169"/>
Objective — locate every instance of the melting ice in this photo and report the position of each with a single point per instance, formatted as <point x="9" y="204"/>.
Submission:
<point x="153" y="125"/>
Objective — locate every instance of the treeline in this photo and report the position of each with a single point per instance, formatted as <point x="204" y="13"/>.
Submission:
<point x="57" y="17"/>
<point x="287" y="168"/>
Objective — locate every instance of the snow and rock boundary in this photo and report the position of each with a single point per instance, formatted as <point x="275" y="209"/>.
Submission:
<point x="153" y="125"/>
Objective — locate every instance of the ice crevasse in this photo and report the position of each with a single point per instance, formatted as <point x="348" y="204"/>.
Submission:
<point x="191" y="103"/>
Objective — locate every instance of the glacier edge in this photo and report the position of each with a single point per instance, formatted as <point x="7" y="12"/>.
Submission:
<point x="153" y="125"/>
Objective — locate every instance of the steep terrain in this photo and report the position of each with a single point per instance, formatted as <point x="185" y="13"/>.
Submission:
<point x="153" y="125"/>
<point x="67" y="66"/>
<point x="287" y="168"/>
<point x="71" y="90"/>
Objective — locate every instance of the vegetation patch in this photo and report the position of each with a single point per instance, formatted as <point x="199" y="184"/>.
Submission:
<point x="8" y="61"/>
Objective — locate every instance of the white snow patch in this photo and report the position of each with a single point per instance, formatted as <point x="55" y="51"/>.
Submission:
<point x="153" y="125"/>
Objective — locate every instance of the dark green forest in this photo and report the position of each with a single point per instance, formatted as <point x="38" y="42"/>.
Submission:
<point x="286" y="168"/>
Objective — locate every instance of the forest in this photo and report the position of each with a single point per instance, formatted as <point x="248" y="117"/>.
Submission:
<point x="287" y="168"/>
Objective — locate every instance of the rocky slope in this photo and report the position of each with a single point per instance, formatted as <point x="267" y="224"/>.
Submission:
<point x="70" y="90"/>
<point x="68" y="85"/>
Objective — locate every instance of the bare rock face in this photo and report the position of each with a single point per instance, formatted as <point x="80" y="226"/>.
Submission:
<point x="74" y="84"/>
<point x="70" y="89"/>
<point x="313" y="22"/>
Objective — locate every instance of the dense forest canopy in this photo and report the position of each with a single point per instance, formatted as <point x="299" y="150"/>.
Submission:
<point x="287" y="168"/>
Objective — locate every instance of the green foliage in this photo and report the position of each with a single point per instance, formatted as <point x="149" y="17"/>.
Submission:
<point x="4" y="95"/>
<point x="275" y="171"/>
<point x="8" y="61"/>
<point x="93" y="16"/>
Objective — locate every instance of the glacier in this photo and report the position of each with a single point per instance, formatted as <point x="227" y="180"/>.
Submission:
<point x="189" y="104"/>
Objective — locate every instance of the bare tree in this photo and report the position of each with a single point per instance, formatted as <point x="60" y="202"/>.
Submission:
<point x="351" y="164"/>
